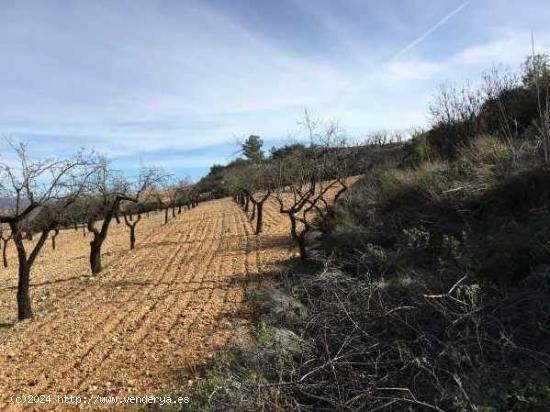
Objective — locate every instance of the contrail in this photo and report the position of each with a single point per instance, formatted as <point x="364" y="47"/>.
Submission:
<point x="436" y="26"/>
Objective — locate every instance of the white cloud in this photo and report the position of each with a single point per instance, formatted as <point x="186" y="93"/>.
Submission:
<point x="130" y="77"/>
<point x="507" y="47"/>
<point x="412" y="70"/>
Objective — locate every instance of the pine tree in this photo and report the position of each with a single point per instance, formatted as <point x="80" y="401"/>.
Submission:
<point x="252" y="148"/>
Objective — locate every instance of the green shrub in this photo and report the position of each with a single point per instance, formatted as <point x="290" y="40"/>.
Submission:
<point x="418" y="150"/>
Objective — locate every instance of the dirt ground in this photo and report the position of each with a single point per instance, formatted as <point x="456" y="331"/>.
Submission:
<point x="153" y="312"/>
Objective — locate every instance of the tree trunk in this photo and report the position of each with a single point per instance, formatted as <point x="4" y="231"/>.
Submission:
<point x="259" y="217"/>
<point x="165" y="215"/>
<point x="95" y="254"/>
<point x="56" y="232"/>
<point x="293" y="231"/>
<point x="246" y="203"/>
<point x="132" y="237"/>
<point x="299" y="238"/>
<point x="253" y="211"/>
<point x="302" y="246"/>
<point x="4" y="253"/>
<point x="24" y="310"/>
<point x="174" y="211"/>
<point x="179" y="209"/>
<point x="25" y="264"/>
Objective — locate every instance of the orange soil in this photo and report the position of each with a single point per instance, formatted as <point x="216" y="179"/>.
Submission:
<point x="153" y="312"/>
<point x="169" y="305"/>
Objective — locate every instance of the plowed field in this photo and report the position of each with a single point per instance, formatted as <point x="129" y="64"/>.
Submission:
<point x="168" y="305"/>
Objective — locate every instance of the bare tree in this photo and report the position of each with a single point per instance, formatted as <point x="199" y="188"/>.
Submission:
<point x="172" y="196"/>
<point x="183" y="193"/>
<point x="34" y="188"/>
<point x="305" y="197"/>
<point x="5" y="240"/>
<point x="383" y="138"/>
<point x="132" y="226"/>
<point x="308" y="181"/>
<point x="257" y="188"/>
<point x="54" y="236"/>
<point x="194" y="197"/>
<point x="109" y="189"/>
<point x="163" y="204"/>
<point x="165" y="196"/>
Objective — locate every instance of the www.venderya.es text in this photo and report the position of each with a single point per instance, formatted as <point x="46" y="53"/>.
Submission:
<point x="99" y="400"/>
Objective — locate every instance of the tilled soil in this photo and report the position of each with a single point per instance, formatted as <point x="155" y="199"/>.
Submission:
<point x="153" y="312"/>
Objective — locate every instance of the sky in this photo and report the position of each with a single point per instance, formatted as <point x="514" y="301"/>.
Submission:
<point x="176" y="83"/>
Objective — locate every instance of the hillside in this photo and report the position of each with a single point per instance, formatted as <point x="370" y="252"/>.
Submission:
<point x="427" y="285"/>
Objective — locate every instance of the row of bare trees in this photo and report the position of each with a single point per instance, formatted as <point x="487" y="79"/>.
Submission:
<point x="41" y="197"/>
<point x="304" y="183"/>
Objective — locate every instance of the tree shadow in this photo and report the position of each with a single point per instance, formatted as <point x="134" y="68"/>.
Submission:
<point x="45" y="283"/>
<point x="6" y="325"/>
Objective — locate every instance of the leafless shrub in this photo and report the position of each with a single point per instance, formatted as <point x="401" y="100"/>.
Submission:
<point x="380" y="346"/>
<point x="457" y="105"/>
<point x="383" y="138"/>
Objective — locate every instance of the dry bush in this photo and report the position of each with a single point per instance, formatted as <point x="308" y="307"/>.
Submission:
<point x="394" y="345"/>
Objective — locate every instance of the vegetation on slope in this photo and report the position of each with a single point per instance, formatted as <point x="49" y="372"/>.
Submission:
<point x="434" y="289"/>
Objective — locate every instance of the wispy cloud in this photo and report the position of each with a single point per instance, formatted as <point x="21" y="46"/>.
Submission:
<point x="507" y="47"/>
<point x="163" y="79"/>
<point x="431" y="30"/>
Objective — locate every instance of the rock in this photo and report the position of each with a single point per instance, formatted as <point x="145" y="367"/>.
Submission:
<point x="288" y="341"/>
<point x="278" y="306"/>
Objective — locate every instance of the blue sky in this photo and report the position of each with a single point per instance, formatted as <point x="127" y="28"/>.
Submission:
<point x="175" y="83"/>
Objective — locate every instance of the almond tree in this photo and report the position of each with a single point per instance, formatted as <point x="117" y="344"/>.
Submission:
<point x="32" y="188"/>
<point x="163" y="204"/>
<point x="54" y="236"/>
<point x="108" y="190"/>
<point x="132" y="223"/>
<point x="194" y="197"/>
<point x="251" y="184"/>
<point x="307" y="182"/>
<point x="258" y="187"/>
<point x="5" y="238"/>
<point x="172" y="196"/>
<point x="166" y="195"/>
<point x="184" y="192"/>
